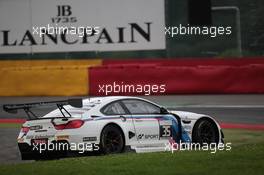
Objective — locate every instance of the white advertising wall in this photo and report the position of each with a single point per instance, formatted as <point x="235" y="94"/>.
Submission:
<point x="110" y="25"/>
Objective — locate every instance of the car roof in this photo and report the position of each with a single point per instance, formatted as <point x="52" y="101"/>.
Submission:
<point x="107" y="99"/>
<point x="92" y="104"/>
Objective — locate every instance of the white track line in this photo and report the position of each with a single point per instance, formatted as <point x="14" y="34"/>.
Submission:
<point x="217" y="106"/>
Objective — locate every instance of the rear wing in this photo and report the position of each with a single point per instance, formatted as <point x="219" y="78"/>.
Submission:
<point x="13" y="108"/>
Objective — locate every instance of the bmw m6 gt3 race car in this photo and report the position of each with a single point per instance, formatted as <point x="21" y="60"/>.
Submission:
<point x="109" y="125"/>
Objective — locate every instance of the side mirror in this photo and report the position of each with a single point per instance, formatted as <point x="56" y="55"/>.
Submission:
<point x="164" y="110"/>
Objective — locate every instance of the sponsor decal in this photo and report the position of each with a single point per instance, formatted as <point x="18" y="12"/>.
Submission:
<point x="64" y="15"/>
<point x="41" y="130"/>
<point x="89" y="139"/>
<point x="36" y="127"/>
<point x="62" y="137"/>
<point x="39" y="136"/>
<point x="154" y="136"/>
<point x="49" y="36"/>
<point x="148" y="136"/>
<point x="54" y="26"/>
<point x="165" y="131"/>
<point x="131" y="134"/>
<point x="140" y="136"/>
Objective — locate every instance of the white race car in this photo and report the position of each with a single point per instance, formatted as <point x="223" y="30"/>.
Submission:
<point x="109" y="125"/>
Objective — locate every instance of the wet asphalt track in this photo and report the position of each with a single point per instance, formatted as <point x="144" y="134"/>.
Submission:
<point x="225" y="108"/>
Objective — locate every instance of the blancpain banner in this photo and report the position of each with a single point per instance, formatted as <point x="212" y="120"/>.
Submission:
<point x="81" y="25"/>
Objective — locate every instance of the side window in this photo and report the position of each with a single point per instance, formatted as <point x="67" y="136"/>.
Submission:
<point x="141" y="107"/>
<point x="113" y="109"/>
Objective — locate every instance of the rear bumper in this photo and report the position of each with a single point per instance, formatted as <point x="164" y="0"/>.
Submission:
<point x="29" y="152"/>
<point x="25" y="148"/>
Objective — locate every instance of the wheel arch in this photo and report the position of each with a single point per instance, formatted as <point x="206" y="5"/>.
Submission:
<point x="211" y="120"/>
<point x="116" y="125"/>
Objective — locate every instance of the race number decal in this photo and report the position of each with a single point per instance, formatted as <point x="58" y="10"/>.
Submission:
<point x="165" y="131"/>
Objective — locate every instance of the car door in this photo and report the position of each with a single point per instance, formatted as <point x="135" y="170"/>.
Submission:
<point x="146" y="118"/>
<point x="116" y="112"/>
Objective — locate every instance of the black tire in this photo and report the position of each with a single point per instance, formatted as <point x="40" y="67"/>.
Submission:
<point x="205" y="131"/>
<point x="112" y="140"/>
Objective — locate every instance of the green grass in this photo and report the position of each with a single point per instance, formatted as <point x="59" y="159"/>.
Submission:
<point x="10" y="125"/>
<point x="245" y="157"/>
<point x="241" y="137"/>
